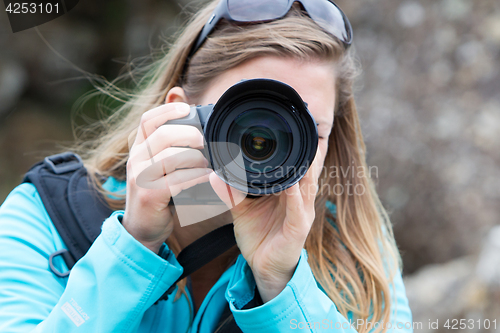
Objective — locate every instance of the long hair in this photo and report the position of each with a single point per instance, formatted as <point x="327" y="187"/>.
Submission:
<point x="352" y="252"/>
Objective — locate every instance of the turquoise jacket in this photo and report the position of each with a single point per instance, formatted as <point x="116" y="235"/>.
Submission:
<point x="113" y="288"/>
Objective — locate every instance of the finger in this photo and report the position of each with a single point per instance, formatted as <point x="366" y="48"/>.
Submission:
<point x="167" y="161"/>
<point x="169" y="136"/>
<point x="309" y="183"/>
<point x="176" y="181"/>
<point x="229" y="195"/>
<point x="296" y="221"/>
<point x="154" y="118"/>
<point x="183" y="179"/>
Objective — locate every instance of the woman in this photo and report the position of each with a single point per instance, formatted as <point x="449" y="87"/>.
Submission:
<point x="319" y="258"/>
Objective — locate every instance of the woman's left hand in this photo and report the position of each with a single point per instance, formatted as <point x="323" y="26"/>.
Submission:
<point x="271" y="230"/>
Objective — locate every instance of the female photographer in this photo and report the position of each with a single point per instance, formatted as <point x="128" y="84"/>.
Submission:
<point x="318" y="256"/>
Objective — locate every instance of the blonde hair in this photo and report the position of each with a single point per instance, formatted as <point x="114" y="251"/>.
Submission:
<point x="352" y="253"/>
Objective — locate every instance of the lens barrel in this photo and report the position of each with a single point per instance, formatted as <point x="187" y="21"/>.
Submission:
<point x="268" y="123"/>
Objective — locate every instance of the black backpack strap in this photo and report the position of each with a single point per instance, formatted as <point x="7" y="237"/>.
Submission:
<point x="74" y="206"/>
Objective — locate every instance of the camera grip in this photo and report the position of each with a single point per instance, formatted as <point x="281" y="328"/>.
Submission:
<point x="201" y="193"/>
<point x="191" y="119"/>
<point x="197" y="117"/>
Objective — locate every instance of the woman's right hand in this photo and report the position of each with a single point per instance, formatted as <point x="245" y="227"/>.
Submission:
<point x="163" y="160"/>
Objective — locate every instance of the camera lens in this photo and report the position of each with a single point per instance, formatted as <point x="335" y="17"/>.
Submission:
<point x="261" y="137"/>
<point x="258" y="143"/>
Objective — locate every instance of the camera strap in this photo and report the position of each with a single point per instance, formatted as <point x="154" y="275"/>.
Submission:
<point x="202" y="251"/>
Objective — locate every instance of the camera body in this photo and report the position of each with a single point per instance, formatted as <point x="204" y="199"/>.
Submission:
<point x="260" y="137"/>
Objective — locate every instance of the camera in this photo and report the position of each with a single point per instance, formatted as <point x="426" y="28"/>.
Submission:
<point x="260" y="137"/>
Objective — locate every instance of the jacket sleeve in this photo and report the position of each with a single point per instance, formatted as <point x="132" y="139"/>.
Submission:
<point x="108" y="290"/>
<point x="303" y="305"/>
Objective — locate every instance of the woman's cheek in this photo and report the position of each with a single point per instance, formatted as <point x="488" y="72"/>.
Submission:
<point x="320" y="155"/>
<point x="322" y="150"/>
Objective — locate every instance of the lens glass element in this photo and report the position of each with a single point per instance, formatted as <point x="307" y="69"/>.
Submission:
<point x="258" y="143"/>
<point x="264" y="136"/>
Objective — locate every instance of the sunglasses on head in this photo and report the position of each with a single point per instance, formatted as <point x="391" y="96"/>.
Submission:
<point x="324" y="12"/>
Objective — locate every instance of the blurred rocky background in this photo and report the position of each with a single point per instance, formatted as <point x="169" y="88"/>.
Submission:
<point x="428" y="97"/>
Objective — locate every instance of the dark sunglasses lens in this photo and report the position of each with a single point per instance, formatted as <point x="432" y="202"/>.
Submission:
<point x="328" y="16"/>
<point x="256" y="10"/>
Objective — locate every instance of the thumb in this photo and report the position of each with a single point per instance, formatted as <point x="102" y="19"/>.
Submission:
<point x="229" y="195"/>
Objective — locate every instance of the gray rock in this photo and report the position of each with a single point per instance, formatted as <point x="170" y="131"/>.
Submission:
<point x="488" y="267"/>
<point x="468" y="288"/>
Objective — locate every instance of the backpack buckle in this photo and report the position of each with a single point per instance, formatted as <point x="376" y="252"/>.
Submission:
<point x="52" y="266"/>
<point x="63" y="162"/>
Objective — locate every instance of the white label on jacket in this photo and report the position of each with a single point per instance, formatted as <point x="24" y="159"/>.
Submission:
<point x="72" y="314"/>
<point x="79" y="309"/>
